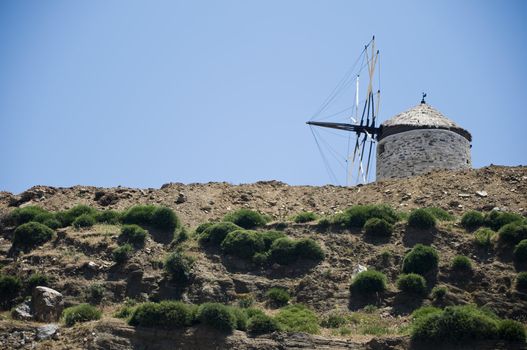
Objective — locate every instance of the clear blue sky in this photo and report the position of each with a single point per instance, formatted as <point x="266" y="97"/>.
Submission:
<point x="139" y="93"/>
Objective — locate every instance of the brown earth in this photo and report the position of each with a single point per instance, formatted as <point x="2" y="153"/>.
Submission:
<point x="76" y="260"/>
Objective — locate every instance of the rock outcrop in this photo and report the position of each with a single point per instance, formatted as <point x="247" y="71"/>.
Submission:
<point x="47" y="304"/>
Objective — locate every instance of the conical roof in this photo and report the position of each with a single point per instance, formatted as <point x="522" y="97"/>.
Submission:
<point x="422" y="116"/>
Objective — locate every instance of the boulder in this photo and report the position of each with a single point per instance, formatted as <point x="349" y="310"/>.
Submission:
<point x="358" y="269"/>
<point x="108" y="199"/>
<point x="47" y="304"/>
<point x="22" y="312"/>
<point x="482" y="193"/>
<point x="182" y="198"/>
<point x="47" y="331"/>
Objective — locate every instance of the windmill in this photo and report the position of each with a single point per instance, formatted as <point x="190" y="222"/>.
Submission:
<point x="363" y="129"/>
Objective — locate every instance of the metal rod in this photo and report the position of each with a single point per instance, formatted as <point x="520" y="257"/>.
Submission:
<point x="359" y="129"/>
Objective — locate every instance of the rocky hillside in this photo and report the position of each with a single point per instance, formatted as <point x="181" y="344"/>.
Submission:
<point x="79" y="263"/>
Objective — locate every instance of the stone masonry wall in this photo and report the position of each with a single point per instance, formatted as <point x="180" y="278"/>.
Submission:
<point x="419" y="151"/>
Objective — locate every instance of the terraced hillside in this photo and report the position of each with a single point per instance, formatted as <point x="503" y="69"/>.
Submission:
<point x="91" y="260"/>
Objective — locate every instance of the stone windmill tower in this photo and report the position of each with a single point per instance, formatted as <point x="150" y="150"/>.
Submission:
<point x="411" y="143"/>
<point x="414" y="142"/>
<point x="419" y="140"/>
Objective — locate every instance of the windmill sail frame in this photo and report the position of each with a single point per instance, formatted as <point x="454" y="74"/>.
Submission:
<point x="366" y="132"/>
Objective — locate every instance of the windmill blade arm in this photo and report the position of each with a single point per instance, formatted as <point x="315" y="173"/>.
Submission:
<point x="347" y="127"/>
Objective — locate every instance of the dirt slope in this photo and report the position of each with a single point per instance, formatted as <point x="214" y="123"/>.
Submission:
<point x="78" y="259"/>
<point x="506" y="187"/>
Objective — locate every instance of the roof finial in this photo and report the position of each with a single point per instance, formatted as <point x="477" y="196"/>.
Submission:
<point x="423" y="100"/>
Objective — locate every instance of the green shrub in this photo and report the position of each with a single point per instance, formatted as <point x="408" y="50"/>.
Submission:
<point x="368" y="282"/>
<point x="262" y="324"/>
<point x="278" y="296"/>
<point x="513" y="233"/>
<point x="306" y="248"/>
<point x="385" y="257"/>
<point x="202" y="227"/>
<point x="165" y="315"/>
<point x="243" y="243"/>
<point x="178" y="266"/>
<point x="67" y="217"/>
<point x="439" y="292"/>
<point x="111" y="217"/>
<point x="181" y="236"/>
<point x="24" y="215"/>
<point x="52" y="223"/>
<point x="133" y="234"/>
<point x="241" y="317"/>
<point x="125" y="311"/>
<point x="323" y="224"/>
<point x="424" y="311"/>
<point x="252" y="311"/>
<point x="455" y="324"/>
<point x="471" y="220"/>
<point x="497" y="219"/>
<point x="164" y="219"/>
<point x="440" y="214"/>
<point x="245" y="301"/>
<point x="248" y="219"/>
<point x="461" y="263"/>
<point x="139" y="214"/>
<point x="334" y="320"/>
<point x="260" y="258"/>
<point x="421" y="259"/>
<point x="217" y="316"/>
<point x="421" y="219"/>
<point x="84" y="220"/>
<point x="464" y="324"/>
<point x="378" y="228"/>
<point x="270" y="236"/>
<point x="412" y="283"/>
<point x="283" y="251"/>
<point x="216" y="233"/>
<point x="520" y="252"/>
<point x="160" y="218"/>
<point x="298" y="318"/>
<point x="357" y="216"/>
<point x="483" y="237"/>
<point x="95" y="293"/>
<point x="80" y="313"/>
<point x="31" y="234"/>
<point x="10" y="287"/>
<point x="81" y="209"/>
<point x="305" y="216"/>
<point x="35" y="280"/>
<point x="521" y="281"/>
<point x="510" y="330"/>
<point x="122" y="254"/>
<point x="43" y="217"/>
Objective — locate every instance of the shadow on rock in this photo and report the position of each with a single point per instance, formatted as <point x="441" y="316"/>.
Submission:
<point x="376" y="239"/>
<point x="358" y="301"/>
<point x="161" y="236"/>
<point x="169" y="290"/>
<point x="297" y="268"/>
<point x="405" y="304"/>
